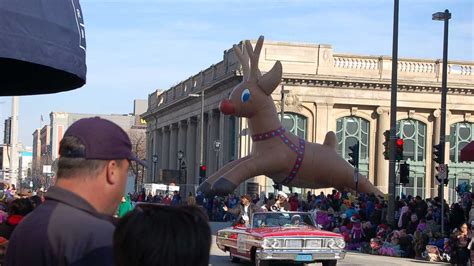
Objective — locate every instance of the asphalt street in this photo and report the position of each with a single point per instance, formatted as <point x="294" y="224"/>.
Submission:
<point x="219" y="257"/>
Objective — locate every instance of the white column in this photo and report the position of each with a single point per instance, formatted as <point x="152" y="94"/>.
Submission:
<point x="173" y="153"/>
<point x="198" y="148"/>
<point x="226" y="140"/>
<point x="324" y="121"/>
<point x="190" y="152"/>
<point x="149" y="152"/>
<point x="158" y="149"/>
<point x="165" y="148"/>
<point x="182" y="127"/>
<point x="211" y="136"/>
<point x="221" y="122"/>
<point x="383" y="123"/>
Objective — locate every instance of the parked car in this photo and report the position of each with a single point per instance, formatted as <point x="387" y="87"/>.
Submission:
<point x="290" y="237"/>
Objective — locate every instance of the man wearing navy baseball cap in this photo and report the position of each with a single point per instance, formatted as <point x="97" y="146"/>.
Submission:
<point x="74" y="225"/>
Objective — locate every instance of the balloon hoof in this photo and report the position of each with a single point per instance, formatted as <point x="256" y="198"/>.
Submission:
<point x="223" y="187"/>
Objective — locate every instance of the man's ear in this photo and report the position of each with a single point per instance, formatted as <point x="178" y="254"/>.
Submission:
<point x="112" y="172"/>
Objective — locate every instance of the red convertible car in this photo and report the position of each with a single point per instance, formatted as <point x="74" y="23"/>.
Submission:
<point x="290" y="237"/>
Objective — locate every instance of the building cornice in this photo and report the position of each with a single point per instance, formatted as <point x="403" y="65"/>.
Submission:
<point x="185" y="98"/>
<point x="318" y="65"/>
<point x="375" y="84"/>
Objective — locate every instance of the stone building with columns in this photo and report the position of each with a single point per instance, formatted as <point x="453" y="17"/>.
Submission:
<point x="321" y="91"/>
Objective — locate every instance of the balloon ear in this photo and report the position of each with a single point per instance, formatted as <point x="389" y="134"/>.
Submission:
<point x="271" y="79"/>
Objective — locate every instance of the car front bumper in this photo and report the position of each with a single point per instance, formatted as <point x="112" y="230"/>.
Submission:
<point x="300" y="255"/>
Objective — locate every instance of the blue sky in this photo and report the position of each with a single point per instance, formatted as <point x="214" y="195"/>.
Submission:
<point x="137" y="46"/>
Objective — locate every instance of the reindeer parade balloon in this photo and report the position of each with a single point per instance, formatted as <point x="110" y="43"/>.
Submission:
<point x="277" y="153"/>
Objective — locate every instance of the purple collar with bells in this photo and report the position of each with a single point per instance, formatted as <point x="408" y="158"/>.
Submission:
<point x="298" y="149"/>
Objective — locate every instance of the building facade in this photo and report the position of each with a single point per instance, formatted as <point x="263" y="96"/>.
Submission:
<point x="45" y="146"/>
<point x="46" y="141"/>
<point x="36" y="155"/>
<point x="60" y="121"/>
<point x="322" y="91"/>
<point x="25" y="165"/>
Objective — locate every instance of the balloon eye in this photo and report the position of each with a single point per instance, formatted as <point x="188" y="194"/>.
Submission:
<point x="245" y="95"/>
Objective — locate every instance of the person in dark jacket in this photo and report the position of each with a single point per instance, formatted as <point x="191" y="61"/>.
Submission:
<point x="413" y="224"/>
<point x="18" y="209"/>
<point x="460" y="239"/>
<point x="456" y="217"/>
<point x="74" y="226"/>
<point x="244" y="211"/>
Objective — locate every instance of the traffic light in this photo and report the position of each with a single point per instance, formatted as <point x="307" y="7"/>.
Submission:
<point x="202" y="170"/>
<point x="202" y="173"/>
<point x="386" y="144"/>
<point x="399" y="146"/>
<point x="404" y="173"/>
<point x="354" y="155"/>
<point x="437" y="153"/>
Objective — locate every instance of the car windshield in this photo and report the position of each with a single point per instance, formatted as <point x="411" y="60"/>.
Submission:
<point x="278" y="219"/>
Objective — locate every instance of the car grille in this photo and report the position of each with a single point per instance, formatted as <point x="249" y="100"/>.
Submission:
<point x="306" y="243"/>
<point x="315" y="243"/>
<point x="294" y="243"/>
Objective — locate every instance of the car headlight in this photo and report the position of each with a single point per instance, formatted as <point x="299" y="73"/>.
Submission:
<point x="331" y="243"/>
<point x="271" y="243"/>
<point x="266" y="243"/>
<point x="276" y="243"/>
<point x="340" y="243"/>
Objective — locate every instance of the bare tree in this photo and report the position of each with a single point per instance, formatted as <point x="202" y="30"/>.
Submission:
<point x="138" y="139"/>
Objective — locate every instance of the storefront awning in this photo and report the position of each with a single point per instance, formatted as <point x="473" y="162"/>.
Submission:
<point x="467" y="153"/>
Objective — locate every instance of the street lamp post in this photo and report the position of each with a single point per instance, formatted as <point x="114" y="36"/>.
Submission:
<point x="155" y="160"/>
<point x="217" y="148"/>
<point x="443" y="16"/>
<point x="282" y="103"/>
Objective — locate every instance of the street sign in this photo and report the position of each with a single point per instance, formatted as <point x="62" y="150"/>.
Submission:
<point x="442" y="172"/>
<point x="47" y="169"/>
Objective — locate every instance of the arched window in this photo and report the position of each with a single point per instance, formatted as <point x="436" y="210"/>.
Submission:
<point x="459" y="172"/>
<point x="461" y="135"/>
<point x="413" y="133"/>
<point x="351" y="129"/>
<point x="296" y="124"/>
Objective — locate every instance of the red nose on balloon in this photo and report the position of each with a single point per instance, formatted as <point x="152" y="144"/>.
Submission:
<point x="227" y="107"/>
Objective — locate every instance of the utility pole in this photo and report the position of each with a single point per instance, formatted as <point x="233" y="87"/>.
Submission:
<point x="14" y="144"/>
<point x="393" y="119"/>
<point x="443" y="16"/>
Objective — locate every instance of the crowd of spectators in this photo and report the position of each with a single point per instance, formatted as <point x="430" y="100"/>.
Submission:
<point x="14" y="206"/>
<point x="362" y="220"/>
